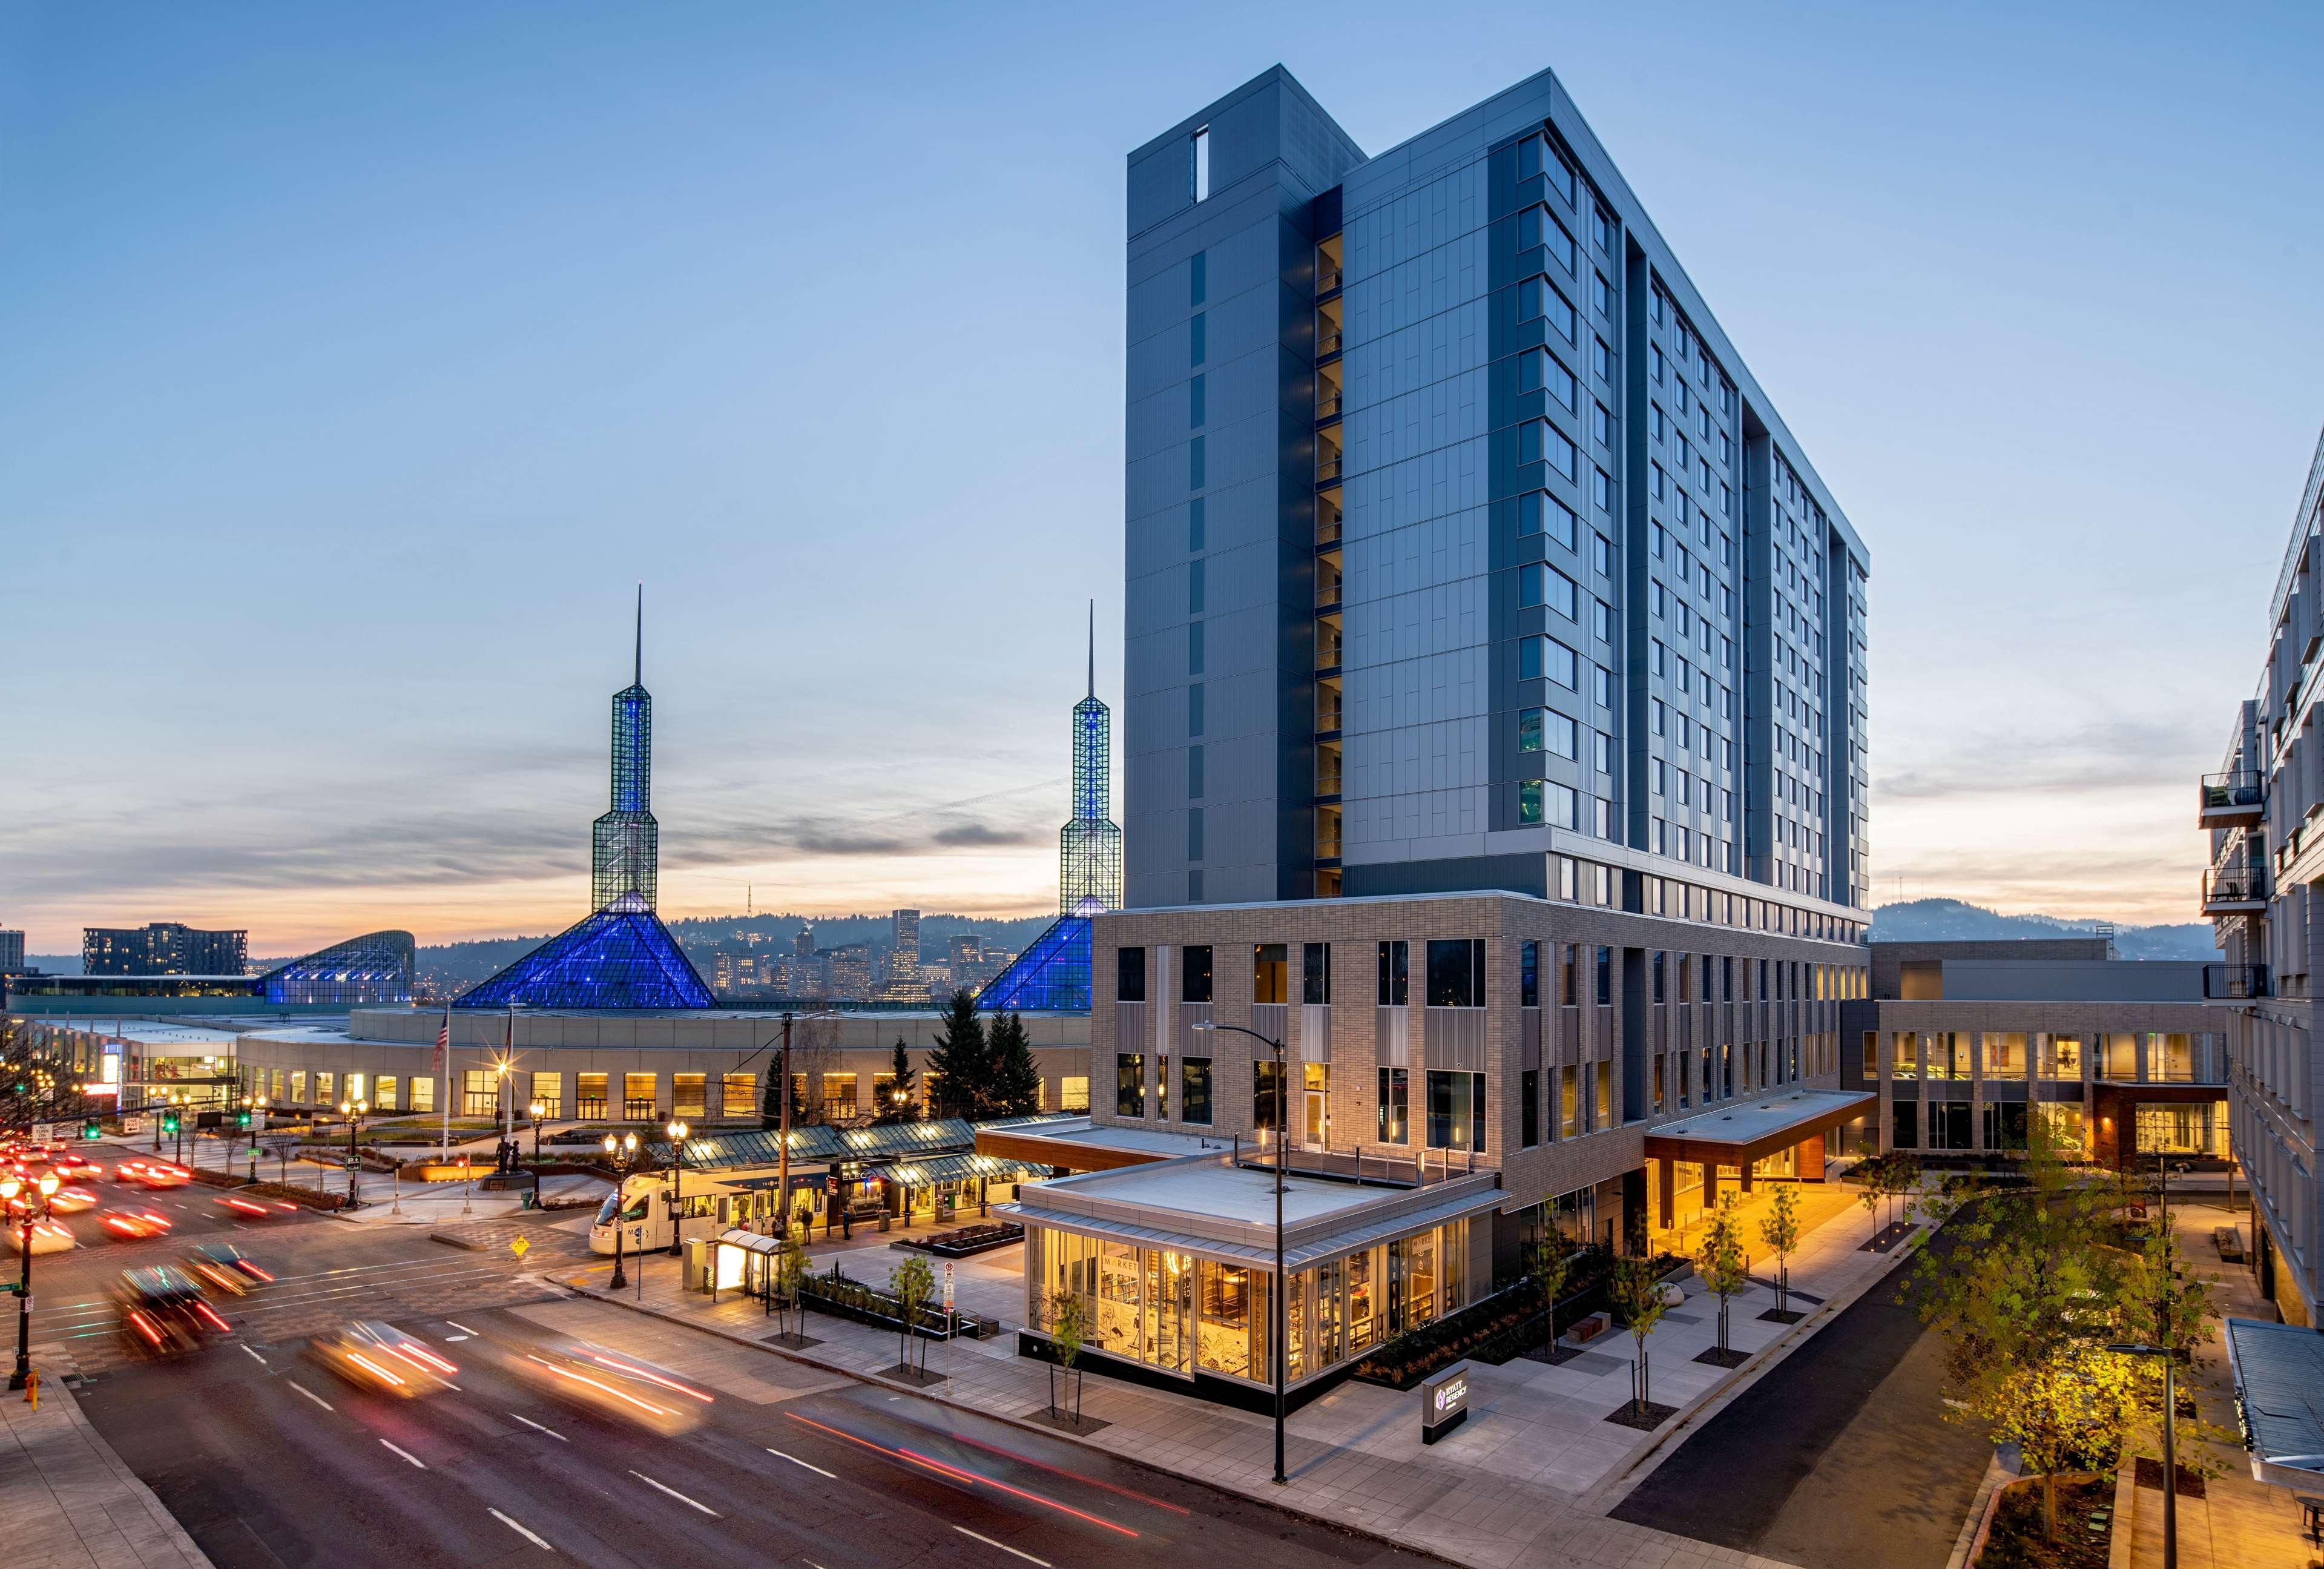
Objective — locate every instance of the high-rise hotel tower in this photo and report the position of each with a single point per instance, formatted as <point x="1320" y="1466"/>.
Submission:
<point x="1463" y="551"/>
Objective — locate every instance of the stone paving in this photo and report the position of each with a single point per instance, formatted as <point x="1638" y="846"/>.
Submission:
<point x="1527" y="1480"/>
<point x="67" y="1501"/>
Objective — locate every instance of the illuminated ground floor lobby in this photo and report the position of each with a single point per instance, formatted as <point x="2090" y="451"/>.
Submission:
<point x="1174" y="1265"/>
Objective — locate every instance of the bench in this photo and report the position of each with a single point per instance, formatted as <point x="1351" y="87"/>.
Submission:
<point x="2229" y="1240"/>
<point x="1588" y="1329"/>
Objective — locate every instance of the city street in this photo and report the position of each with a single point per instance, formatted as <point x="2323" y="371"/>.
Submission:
<point x="269" y="1459"/>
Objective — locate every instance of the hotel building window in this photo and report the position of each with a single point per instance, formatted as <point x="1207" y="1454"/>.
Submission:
<point x="739" y="1097"/>
<point x="385" y="1092"/>
<point x="326" y="1087"/>
<point x="1073" y="1092"/>
<point x="1129" y="1083"/>
<point x="1395" y="1096"/>
<point x="590" y="1096"/>
<point x="423" y="1093"/>
<point x="548" y="1089"/>
<point x="1194" y="1090"/>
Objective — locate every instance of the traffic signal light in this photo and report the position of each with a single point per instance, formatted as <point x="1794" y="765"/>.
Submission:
<point x="169" y="1122"/>
<point x="242" y="1119"/>
<point x="92" y="1129"/>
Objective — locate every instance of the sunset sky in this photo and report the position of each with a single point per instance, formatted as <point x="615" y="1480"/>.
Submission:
<point x="360" y="364"/>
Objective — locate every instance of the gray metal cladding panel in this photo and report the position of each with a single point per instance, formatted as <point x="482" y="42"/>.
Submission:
<point x="1453" y="1038"/>
<point x="1529" y="1048"/>
<point x="1516" y="873"/>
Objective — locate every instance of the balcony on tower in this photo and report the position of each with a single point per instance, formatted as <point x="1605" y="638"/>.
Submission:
<point x="2235" y="886"/>
<point x="1327" y="268"/>
<point x="2233" y="800"/>
<point x="1327" y="396"/>
<point x="1327" y="644"/>
<point x="1328" y="341"/>
<point x="1327" y="459"/>
<point x="1328" y="580"/>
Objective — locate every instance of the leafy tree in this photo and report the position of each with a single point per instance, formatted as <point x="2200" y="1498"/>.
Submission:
<point x="1900" y="1177"/>
<point x="1779" y="1229"/>
<point x="1550" y="1264"/>
<point x="959" y="1062"/>
<point x="770" y="1107"/>
<point x="899" y="1106"/>
<point x="1638" y="1296"/>
<point x="912" y="1283"/>
<point x="1720" y="1260"/>
<point x="1068" y="1333"/>
<point x="790" y="1275"/>
<point x="1016" y="1079"/>
<point x="1873" y="1177"/>
<point x="2026" y="1301"/>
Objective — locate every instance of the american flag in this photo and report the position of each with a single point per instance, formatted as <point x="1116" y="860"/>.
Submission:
<point x="443" y="1040"/>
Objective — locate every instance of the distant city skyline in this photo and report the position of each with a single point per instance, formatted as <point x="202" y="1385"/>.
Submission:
<point x="361" y="364"/>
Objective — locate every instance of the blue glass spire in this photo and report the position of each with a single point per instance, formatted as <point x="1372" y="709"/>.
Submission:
<point x="1089" y="847"/>
<point x="626" y="841"/>
<point x="1052" y="974"/>
<point x="619" y="957"/>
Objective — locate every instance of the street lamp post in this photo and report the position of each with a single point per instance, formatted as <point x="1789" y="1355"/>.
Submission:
<point x="620" y="1153"/>
<point x="352" y="1111"/>
<point x="1281" y="1294"/>
<point x="33" y="1198"/>
<point x="782" y="1087"/>
<point x="678" y="1131"/>
<point x="538" y="1109"/>
<point x="179" y="1101"/>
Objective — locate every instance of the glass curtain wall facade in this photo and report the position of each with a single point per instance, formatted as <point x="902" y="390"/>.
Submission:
<point x="1176" y="1312"/>
<point x="1460" y="542"/>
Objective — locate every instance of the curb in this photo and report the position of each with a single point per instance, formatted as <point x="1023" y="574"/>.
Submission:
<point x="1607" y="1494"/>
<point x="593" y="1293"/>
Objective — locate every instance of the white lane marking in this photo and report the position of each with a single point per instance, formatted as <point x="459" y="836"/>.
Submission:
<point x="310" y="1394"/>
<point x="456" y="1388"/>
<point x="1004" y="1546"/>
<point x="795" y="1460"/>
<point x="453" y="1339"/>
<point x="463" y="1328"/>
<point x="537" y="1427"/>
<point x="521" y="1531"/>
<point x="406" y="1453"/>
<point x="261" y="1360"/>
<point x="673" y="1492"/>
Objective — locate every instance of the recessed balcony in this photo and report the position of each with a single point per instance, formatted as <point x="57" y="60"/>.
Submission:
<point x="2233" y="800"/>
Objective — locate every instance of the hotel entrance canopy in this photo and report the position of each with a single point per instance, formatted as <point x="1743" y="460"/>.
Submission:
<point x="1748" y="1131"/>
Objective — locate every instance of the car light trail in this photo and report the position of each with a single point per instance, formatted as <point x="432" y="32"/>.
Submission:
<point x="955" y="1474"/>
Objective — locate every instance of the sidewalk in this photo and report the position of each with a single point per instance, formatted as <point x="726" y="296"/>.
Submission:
<point x="67" y="1501"/>
<point x="1527" y="1480"/>
<point x="2240" y="1523"/>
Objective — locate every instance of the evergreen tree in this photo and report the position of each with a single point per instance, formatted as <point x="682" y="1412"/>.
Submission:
<point x="959" y="1062"/>
<point x="1016" y="1082"/>
<point x="896" y="1104"/>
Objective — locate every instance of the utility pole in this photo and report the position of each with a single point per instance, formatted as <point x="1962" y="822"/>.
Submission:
<point x="783" y="1138"/>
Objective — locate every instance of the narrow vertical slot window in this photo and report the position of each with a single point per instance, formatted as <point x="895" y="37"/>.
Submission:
<point x="1200" y="164"/>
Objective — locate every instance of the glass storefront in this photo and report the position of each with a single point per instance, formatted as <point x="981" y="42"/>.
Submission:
<point x="2175" y="1128"/>
<point x="1180" y="1314"/>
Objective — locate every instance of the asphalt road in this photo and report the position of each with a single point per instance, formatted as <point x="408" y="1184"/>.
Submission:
<point x="269" y="1460"/>
<point x="1839" y="1457"/>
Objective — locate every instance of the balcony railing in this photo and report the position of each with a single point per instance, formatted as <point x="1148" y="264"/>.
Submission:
<point x="2238" y="882"/>
<point x="1327" y="468"/>
<point x="2235" y="983"/>
<point x="1327" y="342"/>
<point x="1327" y="406"/>
<point x="1327" y="281"/>
<point x="2233" y="790"/>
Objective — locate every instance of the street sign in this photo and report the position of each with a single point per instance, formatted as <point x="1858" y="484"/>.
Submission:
<point x="350" y="1163"/>
<point x="948" y="1285"/>
<point x="519" y="1246"/>
<point x="1443" y="1402"/>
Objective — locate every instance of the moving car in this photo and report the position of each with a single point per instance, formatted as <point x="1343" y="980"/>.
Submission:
<point x="77" y="1166"/>
<point x="163" y="1310"/>
<point x="71" y="1201"/>
<point x="48" y="1236"/>
<point x="227" y="1256"/>
<point x="613" y="1384"/>
<point x="132" y="1225"/>
<point x="251" y="1209"/>
<point x="375" y="1355"/>
<point x="152" y="1173"/>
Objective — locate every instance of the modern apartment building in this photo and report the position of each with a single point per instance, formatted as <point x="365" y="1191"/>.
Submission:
<point x="2265" y="894"/>
<point x="161" y="948"/>
<point x="1463" y="551"/>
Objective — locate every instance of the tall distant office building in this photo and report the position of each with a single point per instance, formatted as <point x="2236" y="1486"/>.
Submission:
<point x="626" y="841"/>
<point x="803" y="945"/>
<point x="1463" y="551"/>
<point x="2260" y="892"/>
<point x="12" y="952"/>
<point x="904" y="965"/>
<point x="161" y="948"/>
<point x="1089" y="847"/>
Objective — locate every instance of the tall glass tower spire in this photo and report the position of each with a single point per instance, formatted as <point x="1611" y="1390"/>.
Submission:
<point x="1089" y="846"/>
<point x="626" y="841"/>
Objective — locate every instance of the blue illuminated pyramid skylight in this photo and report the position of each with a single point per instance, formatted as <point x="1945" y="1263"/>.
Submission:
<point x="621" y="956"/>
<point x="1052" y="974"/>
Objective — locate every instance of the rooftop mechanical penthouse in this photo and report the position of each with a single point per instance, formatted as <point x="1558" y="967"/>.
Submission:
<point x="1461" y="539"/>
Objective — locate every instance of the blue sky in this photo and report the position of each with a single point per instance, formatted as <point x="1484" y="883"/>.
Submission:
<point x="362" y="358"/>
